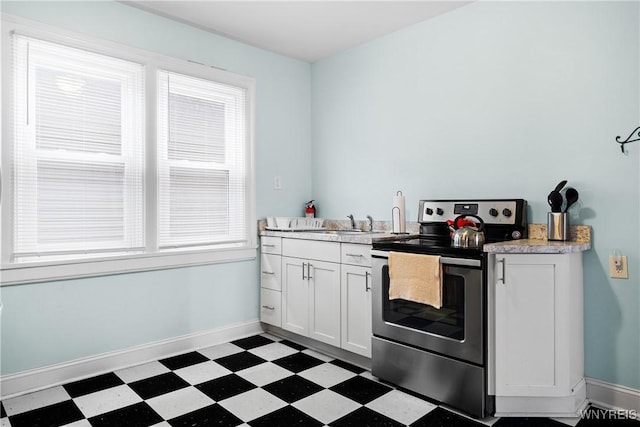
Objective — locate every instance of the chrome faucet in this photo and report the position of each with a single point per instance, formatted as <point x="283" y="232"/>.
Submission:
<point x="353" y="222"/>
<point x="370" y="218"/>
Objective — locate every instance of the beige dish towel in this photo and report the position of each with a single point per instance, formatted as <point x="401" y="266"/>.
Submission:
<point x="415" y="278"/>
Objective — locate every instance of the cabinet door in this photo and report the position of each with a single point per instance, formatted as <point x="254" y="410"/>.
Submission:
<point x="356" y="254"/>
<point x="530" y="331"/>
<point x="295" y="296"/>
<point x="356" y="309"/>
<point x="324" y="302"/>
<point x="270" y="307"/>
<point x="270" y="277"/>
<point x="271" y="245"/>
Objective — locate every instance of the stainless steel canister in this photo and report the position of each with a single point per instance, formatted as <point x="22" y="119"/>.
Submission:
<point x="557" y="226"/>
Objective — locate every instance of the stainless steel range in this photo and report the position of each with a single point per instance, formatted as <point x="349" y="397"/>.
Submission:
<point x="441" y="352"/>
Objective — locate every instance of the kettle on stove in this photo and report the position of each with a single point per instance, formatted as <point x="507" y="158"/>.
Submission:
<point x="468" y="236"/>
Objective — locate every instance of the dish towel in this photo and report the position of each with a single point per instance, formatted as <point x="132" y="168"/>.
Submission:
<point x="416" y="278"/>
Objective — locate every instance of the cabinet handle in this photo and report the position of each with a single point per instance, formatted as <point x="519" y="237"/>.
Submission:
<point x="303" y="278"/>
<point x="268" y="307"/>
<point x="268" y="272"/>
<point x="501" y="279"/>
<point x="309" y="271"/>
<point x="355" y="255"/>
<point x="268" y="246"/>
<point x="367" y="288"/>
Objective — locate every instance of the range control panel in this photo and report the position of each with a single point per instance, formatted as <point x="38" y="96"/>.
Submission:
<point x="503" y="212"/>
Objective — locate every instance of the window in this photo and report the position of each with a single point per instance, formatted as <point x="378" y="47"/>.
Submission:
<point x="121" y="160"/>
<point x="78" y="152"/>
<point x="201" y="161"/>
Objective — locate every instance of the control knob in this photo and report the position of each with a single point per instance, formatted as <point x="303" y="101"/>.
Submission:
<point x="493" y="212"/>
<point x="506" y="212"/>
<point x="429" y="211"/>
<point x="439" y="211"/>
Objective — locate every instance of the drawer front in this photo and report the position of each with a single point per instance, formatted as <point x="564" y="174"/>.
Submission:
<point x="311" y="249"/>
<point x="271" y="307"/>
<point x="355" y="254"/>
<point x="270" y="272"/>
<point x="271" y="245"/>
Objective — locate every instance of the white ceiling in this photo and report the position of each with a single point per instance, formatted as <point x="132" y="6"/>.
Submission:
<point x="307" y="30"/>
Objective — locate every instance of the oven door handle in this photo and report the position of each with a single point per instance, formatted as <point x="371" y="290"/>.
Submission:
<point x="443" y="260"/>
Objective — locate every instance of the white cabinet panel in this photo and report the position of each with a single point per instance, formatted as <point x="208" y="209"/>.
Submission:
<point x="271" y="245"/>
<point x="311" y="249"/>
<point x="270" y="272"/>
<point x="270" y="280"/>
<point x="322" y="298"/>
<point x="355" y="254"/>
<point x="356" y="309"/>
<point x="311" y="299"/>
<point x="270" y="307"/>
<point x="324" y="304"/>
<point x="525" y="328"/>
<point x="539" y="361"/>
<point x="295" y="296"/>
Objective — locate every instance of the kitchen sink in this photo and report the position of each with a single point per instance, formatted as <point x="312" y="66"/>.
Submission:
<point x="356" y="232"/>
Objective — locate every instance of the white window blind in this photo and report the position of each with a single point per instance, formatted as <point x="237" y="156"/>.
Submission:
<point x="113" y="164"/>
<point x="202" y="139"/>
<point x="78" y="152"/>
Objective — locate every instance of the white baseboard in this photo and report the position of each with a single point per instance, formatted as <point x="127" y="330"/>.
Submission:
<point x="551" y="406"/>
<point x="61" y="373"/>
<point x="613" y="396"/>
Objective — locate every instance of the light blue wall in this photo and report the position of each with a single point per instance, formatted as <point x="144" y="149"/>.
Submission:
<point x="56" y="322"/>
<point x="498" y="99"/>
<point x="491" y="100"/>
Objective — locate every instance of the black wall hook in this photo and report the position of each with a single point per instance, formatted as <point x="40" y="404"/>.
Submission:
<point x="628" y="140"/>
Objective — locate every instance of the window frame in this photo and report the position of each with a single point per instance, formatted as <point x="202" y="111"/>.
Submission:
<point x="153" y="258"/>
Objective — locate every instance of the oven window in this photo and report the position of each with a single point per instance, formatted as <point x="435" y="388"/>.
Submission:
<point x="448" y="321"/>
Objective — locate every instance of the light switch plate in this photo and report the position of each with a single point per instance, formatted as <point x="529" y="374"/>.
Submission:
<point x="618" y="272"/>
<point x="277" y="182"/>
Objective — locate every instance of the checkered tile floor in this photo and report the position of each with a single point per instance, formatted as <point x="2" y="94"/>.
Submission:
<point x="255" y="381"/>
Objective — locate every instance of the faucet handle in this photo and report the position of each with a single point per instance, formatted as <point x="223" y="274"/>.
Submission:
<point x="353" y="221"/>
<point x="370" y="218"/>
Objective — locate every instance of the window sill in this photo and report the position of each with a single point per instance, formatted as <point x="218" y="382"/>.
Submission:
<point x="16" y="274"/>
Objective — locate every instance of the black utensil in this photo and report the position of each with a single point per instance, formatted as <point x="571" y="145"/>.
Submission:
<point x="561" y="185"/>
<point x="555" y="201"/>
<point x="572" y="196"/>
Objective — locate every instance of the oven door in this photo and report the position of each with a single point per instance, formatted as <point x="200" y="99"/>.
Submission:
<point x="455" y="330"/>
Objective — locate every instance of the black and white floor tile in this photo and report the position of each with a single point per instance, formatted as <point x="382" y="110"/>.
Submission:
<point x="256" y="381"/>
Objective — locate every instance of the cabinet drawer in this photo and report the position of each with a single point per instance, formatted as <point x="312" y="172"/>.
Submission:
<point x="271" y="307"/>
<point x="271" y="245"/>
<point x="311" y="249"/>
<point x="270" y="271"/>
<point x="355" y="254"/>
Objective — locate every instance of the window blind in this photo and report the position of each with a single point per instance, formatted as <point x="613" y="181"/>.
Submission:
<point x="202" y="142"/>
<point x="78" y="152"/>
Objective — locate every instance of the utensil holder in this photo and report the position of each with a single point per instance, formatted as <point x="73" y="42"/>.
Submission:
<point x="557" y="226"/>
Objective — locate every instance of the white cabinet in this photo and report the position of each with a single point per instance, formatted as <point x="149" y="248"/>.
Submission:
<point x="318" y="289"/>
<point x="311" y="289"/>
<point x="270" y="307"/>
<point x="355" y="288"/>
<point x="270" y="275"/>
<point x="538" y="311"/>
<point x="270" y="280"/>
<point x="356" y="309"/>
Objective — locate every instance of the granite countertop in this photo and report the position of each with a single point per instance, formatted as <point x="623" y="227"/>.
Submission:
<point x="363" y="238"/>
<point x="537" y="243"/>
<point x="382" y="232"/>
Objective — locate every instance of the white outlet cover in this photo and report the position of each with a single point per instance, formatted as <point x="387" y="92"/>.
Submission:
<point x="622" y="272"/>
